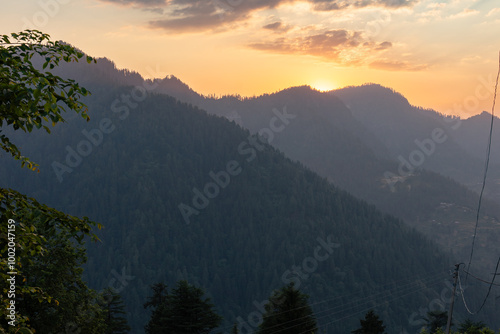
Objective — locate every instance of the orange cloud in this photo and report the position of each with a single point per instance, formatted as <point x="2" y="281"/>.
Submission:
<point x="392" y="65"/>
<point x="340" y="46"/>
<point x="205" y="15"/>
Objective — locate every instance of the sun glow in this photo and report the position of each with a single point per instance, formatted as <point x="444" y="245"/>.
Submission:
<point x="323" y="85"/>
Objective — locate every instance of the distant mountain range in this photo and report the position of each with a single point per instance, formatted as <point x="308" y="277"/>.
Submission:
<point x="188" y="195"/>
<point x="370" y="141"/>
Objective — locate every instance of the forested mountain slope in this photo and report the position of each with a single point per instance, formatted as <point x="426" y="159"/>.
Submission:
<point x="145" y="166"/>
<point x="459" y="152"/>
<point x="271" y="215"/>
<point x="364" y="156"/>
<point x="379" y="148"/>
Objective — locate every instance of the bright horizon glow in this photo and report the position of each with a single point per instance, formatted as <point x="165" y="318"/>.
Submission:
<point x="439" y="54"/>
<point x="323" y="85"/>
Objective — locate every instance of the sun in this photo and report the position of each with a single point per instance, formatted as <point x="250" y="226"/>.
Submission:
<point x="323" y="85"/>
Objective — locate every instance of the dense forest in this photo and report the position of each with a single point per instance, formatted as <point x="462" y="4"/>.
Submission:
<point x="381" y="149"/>
<point x="184" y="195"/>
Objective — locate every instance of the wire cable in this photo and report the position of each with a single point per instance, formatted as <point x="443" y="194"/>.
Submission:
<point x="368" y="301"/>
<point x="428" y="280"/>
<point x="398" y="292"/>
<point x="479" y="279"/>
<point x="487" y="295"/>
<point x="488" y="152"/>
<point x="373" y="306"/>
<point x="399" y="284"/>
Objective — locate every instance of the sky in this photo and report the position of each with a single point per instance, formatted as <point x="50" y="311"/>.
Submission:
<point x="442" y="55"/>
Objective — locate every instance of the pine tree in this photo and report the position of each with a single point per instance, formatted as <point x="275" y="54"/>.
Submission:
<point x="114" y="307"/>
<point x="370" y="325"/>
<point x="184" y="311"/>
<point x="436" y="320"/>
<point x="471" y="327"/>
<point x="288" y="312"/>
<point x="158" y="303"/>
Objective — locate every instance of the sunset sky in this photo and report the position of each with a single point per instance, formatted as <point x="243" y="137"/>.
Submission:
<point x="439" y="54"/>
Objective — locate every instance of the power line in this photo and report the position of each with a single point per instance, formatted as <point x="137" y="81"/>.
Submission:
<point x="488" y="151"/>
<point x="398" y="292"/>
<point x="406" y="286"/>
<point x="487" y="295"/>
<point x="479" y="279"/>
<point x="373" y="306"/>
<point x="409" y="280"/>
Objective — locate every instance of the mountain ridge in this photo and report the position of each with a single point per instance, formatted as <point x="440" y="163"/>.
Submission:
<point x="243" y="243"/>
<point x="148" y="150"/>
<point x="352" y="153"/>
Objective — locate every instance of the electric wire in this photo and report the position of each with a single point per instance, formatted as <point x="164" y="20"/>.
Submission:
<point x="479" y="279"/>
<point x="373" y="306"/>
<point x="429" y="281"/>
<point x="422" y="279"/>
<point x="343" y="309"/>
<point x="488" y="152"/>
<point x="487" y="295"/>
<point x="371" y="298"/>
<point x="486" y="165"/>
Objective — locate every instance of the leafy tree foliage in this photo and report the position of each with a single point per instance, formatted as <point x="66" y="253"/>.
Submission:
<point x="371" y="324"/>
<point x="482" y="330"/>
<point x="32" y="98"/>
<point x="473" y="327"/>
<point x="50" y="295"/>
<point x="288" y="312"/>
<point x="184" y="311"/>
<point x="437" y="331"/>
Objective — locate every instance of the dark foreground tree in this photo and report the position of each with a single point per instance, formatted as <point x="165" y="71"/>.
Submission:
<point x="114" y="311"/>
<point x="288" y="312"/>
<point x="371" y="324"/>
<point x="183" y="311"/>
<point x="159" y="322"/>
<point x="436" y="320"/>
<point x="473" y="327"/>
<point x="45" y="247"/>
<point x="30" y="97"/>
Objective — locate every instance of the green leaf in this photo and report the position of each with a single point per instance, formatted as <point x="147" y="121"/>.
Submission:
<point x="29" y="94"/>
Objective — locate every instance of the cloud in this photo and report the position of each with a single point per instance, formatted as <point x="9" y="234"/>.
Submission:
<point x="156" y="10"/>
<point x="273" y="26"/>
<point x="340" y="46"/>
<point x="277" y="26"/>
<point x="155" y="6"/>
<point x="200" y="15"/>
<point x="383" y="46"/>
<point x="437" y="5"/>
<point x="138" y="3"/>
<point x="471" y="60"/>
<point x="394" y="65"/>
<point x="493" y="12"/>
<point x="465" y="13"/>
<point x="330" y="5"/>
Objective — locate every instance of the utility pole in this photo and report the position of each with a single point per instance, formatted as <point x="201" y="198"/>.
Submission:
<point x="450" y="312"/>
